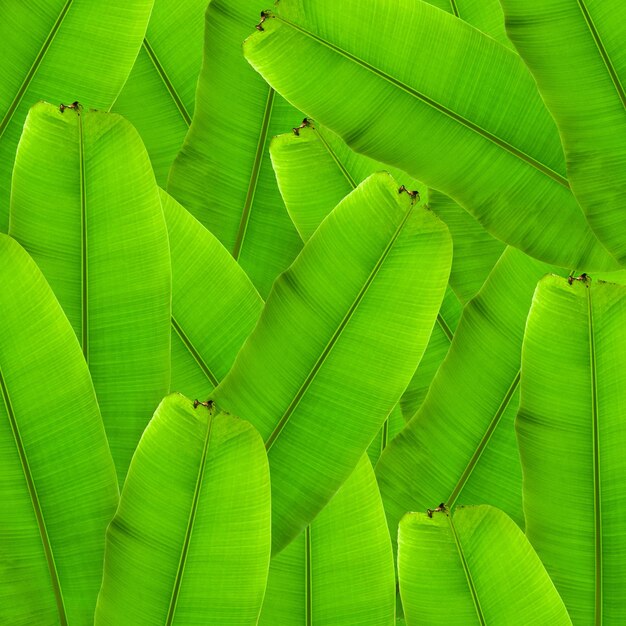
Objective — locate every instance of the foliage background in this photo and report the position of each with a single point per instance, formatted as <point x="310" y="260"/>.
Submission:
<point x="357" y="352"/>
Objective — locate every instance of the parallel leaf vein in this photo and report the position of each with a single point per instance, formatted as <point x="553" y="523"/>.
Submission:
<point x="498" y="141"/>
<point x="34" y="67"/>
<point x="84" y="258"/>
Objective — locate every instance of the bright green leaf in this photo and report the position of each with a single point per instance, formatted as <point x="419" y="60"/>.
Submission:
<point x="474" y="568"/>
<point x="340" y="336"/>
<point x="62" y="51"/>
<point x="339" y="572"/>
<point x="58" y="488"/>
<point x="223" y="174"/>
<point x="190" y="542"/>
<point x="575" y="50"/>
<point x="460" y="446"/>
<point x="464" y="115"/>
<point x="85" y="205"/>
<point x="571" y="436"/>
<point x="213" y="312"/>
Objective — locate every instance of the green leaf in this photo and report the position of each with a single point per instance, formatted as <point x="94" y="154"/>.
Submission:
<point x="61" y="51"/>
<point x="475" y="568"/>
<point x="575" y="52"/>
<point x="475" y="250"/>
<point x="394" y="423"/>
<point x="340" y="570"/>
<point x="223" y="174"/>
<point x="571" y="438"/>
<point x="190" y="542"/>
<point x="464" y="116"/>
<point x="460" y="446"/>
<point x="158" y="97"/>
<point x="435" y="353"/>
<point x="212" y="315"/>
<point x="340" y="336"/>
<point x="315" y="169"/>
<point x="84" y="203"/>
<point x="58" y="487"/>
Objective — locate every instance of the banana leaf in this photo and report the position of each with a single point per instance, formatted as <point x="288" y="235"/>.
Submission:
<point x="460" y="446"/>
<point x="575" y="51"/>
<point x="58" y="489"/>
<point x="190" y="542"/>
<point x="85" y="205"/>
<point x="223" y="174"/>
<point x="315" y="169"/>
<point x="158" y="97"/>
<point x="339" y="571"/>
<point x="214" y="304"/>
<point x="475" y="567"/>
<point x="571" y="438"/>
<point x="45" y="46"/>
<point x="464" y="115"/>
<point x="340" y="336"/>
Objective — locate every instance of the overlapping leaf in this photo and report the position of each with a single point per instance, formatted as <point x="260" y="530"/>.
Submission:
<point x="571" y="437"/>
<point x="93" y="223"/>
<point x="340" y="570"/>
<point x="223" y="174"/>
<point x="58" y="489"/>
<point x="461" y="113"/>
<point x="476" y="567"/>
<point x="214" y="304"/>
<point x="340" y="336"/>
<point x="62" y="51"/>
<point x="190" y="542"/>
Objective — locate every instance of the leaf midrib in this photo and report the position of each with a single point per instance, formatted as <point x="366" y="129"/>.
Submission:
<point x="32" y="491"/>
<point x="254" y="175"/>
<point x="335" y="336"/>
<point x="482" y="445"/>
<point x="206" y="370"/>
<point x="603" y="52"/>
<point x="501" y="143"/>
<point x="597" y="505"/>
<point x="466" y="570"/>
<point x="169" y="85"/>
<point x="34" y="67"/>
<point x="190" y="524"/>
